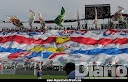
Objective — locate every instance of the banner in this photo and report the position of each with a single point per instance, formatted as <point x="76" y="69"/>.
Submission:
<point x="102" y="46"/>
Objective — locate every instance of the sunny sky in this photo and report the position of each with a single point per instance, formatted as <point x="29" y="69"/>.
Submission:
<point x="50" y="9"/>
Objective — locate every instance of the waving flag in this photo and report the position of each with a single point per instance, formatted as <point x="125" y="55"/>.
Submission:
<point x="31" y="18"/>
<point x="15" y="21"/>
<point x="95" y="21"/>
<point x="118" y="15"/>
<point x="120" y="9"/>
<point x="60" y="19"/>
<point x="43" y="26"/>
<point x="90" y="46"/>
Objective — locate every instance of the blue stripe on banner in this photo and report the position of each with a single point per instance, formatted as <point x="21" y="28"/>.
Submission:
<point x="35" y="54"/>
<point x="47" y="54"/>
<point x="111" y="51"/>
<point x="11" y="50"/>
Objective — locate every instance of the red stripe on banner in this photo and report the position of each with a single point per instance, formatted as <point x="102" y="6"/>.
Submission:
<point x="26" y="54"/>
<point x="22" y="39"/>
<point x="48" y="40"/>
<point x="82" y="40"/>
<point x="55" y="54"/>
<point x="15" y="55"/>
<point x="103" y="41"/>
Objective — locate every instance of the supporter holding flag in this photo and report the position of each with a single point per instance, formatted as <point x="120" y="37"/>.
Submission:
<point x="60" y="19"/>
<point x="118" y="15"/>
<point x="31" y="18"/>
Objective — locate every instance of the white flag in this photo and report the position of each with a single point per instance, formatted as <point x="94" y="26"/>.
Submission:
<point x="43" y="26"/>
<point x="120" y="9"/>
<point x="31" y="18"/>
<point x="95" y="21"/>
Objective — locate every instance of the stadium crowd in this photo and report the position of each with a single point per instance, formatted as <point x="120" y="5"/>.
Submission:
<point x="82" y="27"/>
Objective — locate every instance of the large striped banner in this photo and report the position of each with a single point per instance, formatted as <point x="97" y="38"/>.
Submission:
<point x="102" y="46"/>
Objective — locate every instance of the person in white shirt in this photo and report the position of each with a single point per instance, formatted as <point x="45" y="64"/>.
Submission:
<point x="70" y="70"/>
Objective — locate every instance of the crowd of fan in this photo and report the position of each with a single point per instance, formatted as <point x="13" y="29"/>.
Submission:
<point x="32" y="67"/>
<point x="62" y="28"/>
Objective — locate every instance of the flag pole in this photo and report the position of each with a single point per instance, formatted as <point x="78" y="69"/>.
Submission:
<point x="41" y="59"/>
<point x="35" y="68"/>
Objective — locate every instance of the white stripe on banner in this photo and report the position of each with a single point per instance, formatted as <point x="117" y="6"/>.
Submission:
<point x="17" y="45"/>
<point x="4" y="55"/>
<point x="101" y="58"/>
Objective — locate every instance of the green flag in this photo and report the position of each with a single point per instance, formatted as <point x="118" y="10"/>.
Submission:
<point x="60" y="19"/>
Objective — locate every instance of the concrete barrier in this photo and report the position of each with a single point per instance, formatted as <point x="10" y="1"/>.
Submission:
<point x="24" y="72"/>
<point x="31" y="72"/>
<point x="54" y="73"/>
